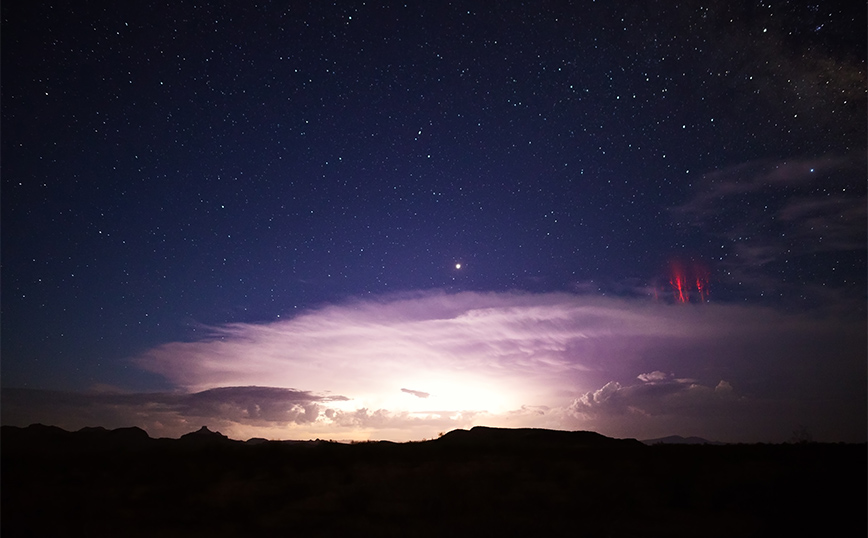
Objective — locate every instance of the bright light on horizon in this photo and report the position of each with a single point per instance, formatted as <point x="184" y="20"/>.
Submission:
<point x="407" y="367"/>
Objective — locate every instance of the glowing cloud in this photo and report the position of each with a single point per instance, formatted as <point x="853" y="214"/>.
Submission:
<point x="408" y="367"/>
<point x="515" y="359"/>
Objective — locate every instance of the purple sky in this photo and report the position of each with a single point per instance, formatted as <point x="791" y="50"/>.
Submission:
<point x="387" y="220"/>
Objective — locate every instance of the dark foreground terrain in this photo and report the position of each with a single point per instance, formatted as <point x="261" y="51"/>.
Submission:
<point x="485" y="482"/>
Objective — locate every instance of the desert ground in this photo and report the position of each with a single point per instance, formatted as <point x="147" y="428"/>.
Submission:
<point x="482" y="482"/>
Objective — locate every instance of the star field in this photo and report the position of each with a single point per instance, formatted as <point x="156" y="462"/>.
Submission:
<point x="173" y="166"/>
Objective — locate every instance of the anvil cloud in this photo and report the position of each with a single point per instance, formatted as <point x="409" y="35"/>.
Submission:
<point x="407" y="367"/>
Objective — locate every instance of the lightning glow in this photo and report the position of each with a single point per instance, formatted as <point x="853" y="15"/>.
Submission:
<point x="688" y="282"/>
<point x="407" y="367"/>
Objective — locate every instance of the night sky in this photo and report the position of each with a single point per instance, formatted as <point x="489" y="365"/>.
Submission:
<point x="365" y="220"/>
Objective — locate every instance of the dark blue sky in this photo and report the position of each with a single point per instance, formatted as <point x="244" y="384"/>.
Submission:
<point x="169" y="166"/>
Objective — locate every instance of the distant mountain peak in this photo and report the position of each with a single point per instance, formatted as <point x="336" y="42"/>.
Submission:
<point x="204" y="435"/>
<point x="679" y="440"/>
<point x="532" y="437"/>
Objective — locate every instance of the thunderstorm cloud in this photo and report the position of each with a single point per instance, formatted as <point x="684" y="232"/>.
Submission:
<point x="626" y="367"/>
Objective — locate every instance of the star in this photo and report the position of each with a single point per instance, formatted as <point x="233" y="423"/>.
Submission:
<point x="545" y="181"/>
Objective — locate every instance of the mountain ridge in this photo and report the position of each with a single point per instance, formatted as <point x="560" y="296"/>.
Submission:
<point x="679" y="440"/>
<point x="93" y="437"/>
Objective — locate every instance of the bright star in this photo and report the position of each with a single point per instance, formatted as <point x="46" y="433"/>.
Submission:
<point x="458" y="266"/>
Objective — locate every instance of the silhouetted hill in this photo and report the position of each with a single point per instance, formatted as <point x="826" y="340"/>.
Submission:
<point x="34" y="432"/>
<point x="205" y="437"/>
<point x="481" y="482"/>
<point x="483" y="436"/>
<point x="40" y="438"/>
<point x="132" y="434"/>
<point x="678" y="440"/>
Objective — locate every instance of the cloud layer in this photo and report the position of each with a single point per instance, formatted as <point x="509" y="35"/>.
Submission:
<point x="794" y="229"/>
<point x="408" y="367"/>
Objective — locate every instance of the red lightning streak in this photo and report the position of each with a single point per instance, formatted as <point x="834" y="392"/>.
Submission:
<point x="678" y="282"/>
<point x="688" y="281"/>
<point x="702" y="274"/>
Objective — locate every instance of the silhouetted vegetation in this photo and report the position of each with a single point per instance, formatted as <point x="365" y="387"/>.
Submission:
<point x="485" y="482"/>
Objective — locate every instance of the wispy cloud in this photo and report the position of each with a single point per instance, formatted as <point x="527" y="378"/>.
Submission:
<point x="416" y="393"/>
<point x="626" y="367"/>
<point x="771" y="216"/>
<point x="720" y="187"/>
